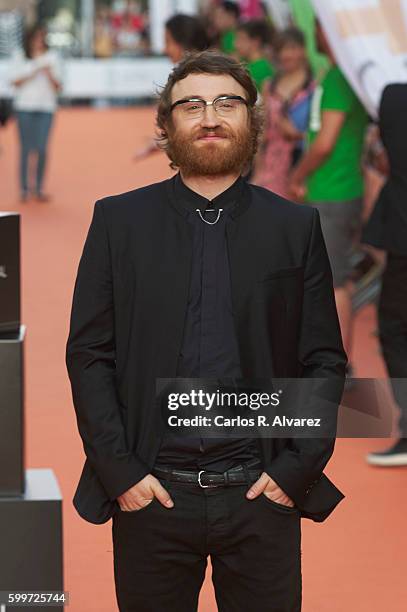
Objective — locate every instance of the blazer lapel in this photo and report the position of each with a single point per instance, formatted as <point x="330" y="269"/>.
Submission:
<point x="175" y="250"/>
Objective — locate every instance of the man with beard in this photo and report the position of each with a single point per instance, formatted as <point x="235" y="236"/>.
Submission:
<point x="201" y="276"/>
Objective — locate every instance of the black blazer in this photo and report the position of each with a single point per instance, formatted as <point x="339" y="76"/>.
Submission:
<point x="387" y="226"/>
<point x="126" y="328"/>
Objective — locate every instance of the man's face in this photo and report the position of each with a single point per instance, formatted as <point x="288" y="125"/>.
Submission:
<point x="244" y="44"/>
<point x="38" y="41"/>
<point x="172" y="49"/>
<point x="223" y="20"/>
<point x="291" y="57"/>
<point x="209" y="144"/>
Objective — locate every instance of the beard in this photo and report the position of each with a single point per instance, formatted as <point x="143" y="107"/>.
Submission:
<point x="232" y="154"/>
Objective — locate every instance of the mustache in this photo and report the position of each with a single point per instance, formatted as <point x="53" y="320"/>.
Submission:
<point x="221" y="133"/>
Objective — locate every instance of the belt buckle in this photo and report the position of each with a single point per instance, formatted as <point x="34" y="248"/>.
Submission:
<point x="199" y="480"/>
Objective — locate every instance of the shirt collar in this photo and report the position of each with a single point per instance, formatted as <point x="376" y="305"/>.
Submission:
<point x="191" y="200"/>
<point x="243" y="196"/>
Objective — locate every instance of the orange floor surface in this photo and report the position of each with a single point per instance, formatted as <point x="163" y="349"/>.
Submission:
<point x="353" y="562"/>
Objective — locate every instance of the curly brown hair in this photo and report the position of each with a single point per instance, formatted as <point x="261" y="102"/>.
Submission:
<point x="208" y="62"/>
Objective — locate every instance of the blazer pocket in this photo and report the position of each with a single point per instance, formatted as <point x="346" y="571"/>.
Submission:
<point x="283" y="273"/>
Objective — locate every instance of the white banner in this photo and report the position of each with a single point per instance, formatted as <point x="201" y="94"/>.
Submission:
<point x="105" y="78"/>
<point x="369" y="41"/>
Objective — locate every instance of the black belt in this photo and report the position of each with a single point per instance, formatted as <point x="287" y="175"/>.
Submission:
<point x="204" y="478"/>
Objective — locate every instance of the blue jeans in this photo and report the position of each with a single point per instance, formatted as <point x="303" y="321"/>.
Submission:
<point x="33" y="127"/>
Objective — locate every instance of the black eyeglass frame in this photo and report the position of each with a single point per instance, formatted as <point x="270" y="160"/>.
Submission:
<point x="184" y="100"/>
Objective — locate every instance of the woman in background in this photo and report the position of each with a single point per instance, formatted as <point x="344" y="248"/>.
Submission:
<point x="183" y="33"/>
<point x="36" y="76"/>
<point x="287" y="102"/>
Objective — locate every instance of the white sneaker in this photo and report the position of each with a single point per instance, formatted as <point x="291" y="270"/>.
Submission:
<point x="395" y="456"/>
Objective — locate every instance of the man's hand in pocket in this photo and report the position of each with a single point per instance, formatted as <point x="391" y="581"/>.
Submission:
<point x="142" y="493"/>
<point x="265" y="484"/>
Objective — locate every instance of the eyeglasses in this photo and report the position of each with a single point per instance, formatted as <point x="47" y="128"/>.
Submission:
<point x="223" y="105"/>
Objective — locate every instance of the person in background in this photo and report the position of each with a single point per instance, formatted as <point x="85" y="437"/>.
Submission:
<point x="253" y="44"/>
<point x="287" y="101"/>
<point x="35" y="73"/>
<point x="225" y="19"/>
<point x="103" y="33"/>
<point x="253" y="9"/>
<point x="183" y="33"/>
<point x="330" y="177"/>
<point x="127" y="37"/>
<point x="129" y="13"/>
<point x="6" y="112"/>
<point x="145" y="43"/>
<point x="387" y="230"/>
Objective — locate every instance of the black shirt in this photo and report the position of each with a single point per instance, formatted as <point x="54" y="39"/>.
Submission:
<point x="209" y="347"/>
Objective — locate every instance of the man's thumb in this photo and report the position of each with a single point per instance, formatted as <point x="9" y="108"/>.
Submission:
<point x="258" y="486"/>
<point x="163" y="496"/>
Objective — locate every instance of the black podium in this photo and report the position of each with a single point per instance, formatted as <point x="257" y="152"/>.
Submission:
<point x="30" y="499"/>
<point x="9" y="274"/>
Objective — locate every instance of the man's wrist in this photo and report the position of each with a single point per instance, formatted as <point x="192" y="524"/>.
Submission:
<point x="295" y="491"/>
<point x="120" y="477"/>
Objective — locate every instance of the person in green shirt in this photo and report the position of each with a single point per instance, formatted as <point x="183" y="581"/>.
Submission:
<point x="329" y="176"/>
<point x="254" y="39"/>
<point x="339" y="177"/>
<point x="225" y="20"/>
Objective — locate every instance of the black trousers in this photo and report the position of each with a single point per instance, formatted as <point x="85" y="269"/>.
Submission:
<point x="392" y="315"/>
<point x="160" y="554"/>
